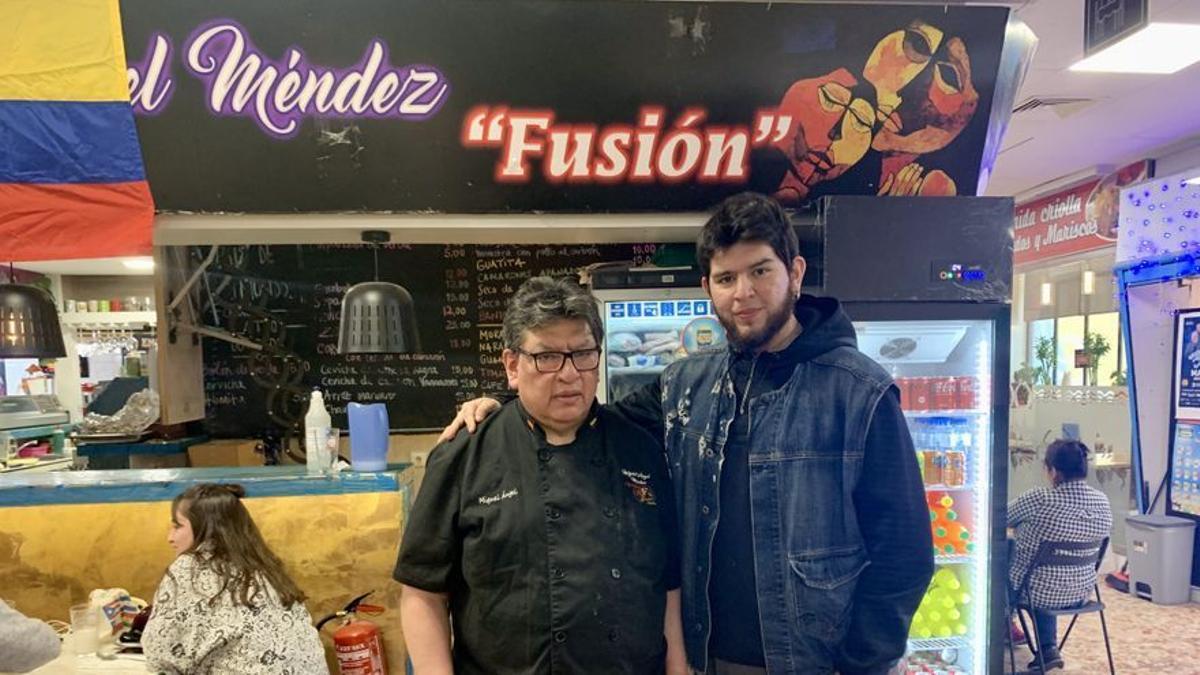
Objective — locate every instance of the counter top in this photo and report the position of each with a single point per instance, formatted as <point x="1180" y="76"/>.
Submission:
<point x="149" y="485"/>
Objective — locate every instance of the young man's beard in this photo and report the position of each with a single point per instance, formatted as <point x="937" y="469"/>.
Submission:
<point x="755" y="341"/>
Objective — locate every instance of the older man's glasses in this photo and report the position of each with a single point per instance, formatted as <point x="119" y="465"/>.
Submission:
<point x="552" y="362"/>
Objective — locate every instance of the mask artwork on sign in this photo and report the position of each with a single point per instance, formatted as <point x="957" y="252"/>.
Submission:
<point x="921" y="98"/>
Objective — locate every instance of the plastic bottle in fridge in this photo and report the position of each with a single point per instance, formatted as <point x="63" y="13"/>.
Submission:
<point x="316" y="434"/>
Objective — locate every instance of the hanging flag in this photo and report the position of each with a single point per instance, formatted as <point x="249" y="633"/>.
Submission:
<point x="72" y="183"/>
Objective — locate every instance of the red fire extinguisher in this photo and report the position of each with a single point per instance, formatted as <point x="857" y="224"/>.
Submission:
<point x="358" y="642"/>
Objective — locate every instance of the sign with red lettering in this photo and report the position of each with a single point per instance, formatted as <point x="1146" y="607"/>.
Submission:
<point x="1078" y="219"/>
<point x="538" y="105"/>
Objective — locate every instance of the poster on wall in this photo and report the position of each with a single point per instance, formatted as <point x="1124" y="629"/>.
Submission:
<point x="1187" y="364"/>
<point x="531" y="105"/>
<point x="1185" y="470"/>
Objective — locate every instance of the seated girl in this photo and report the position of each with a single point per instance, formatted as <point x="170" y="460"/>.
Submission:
<point x="226" y="605"/>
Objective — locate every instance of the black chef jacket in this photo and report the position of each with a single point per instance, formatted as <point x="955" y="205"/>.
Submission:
<point x="556" y="559"/>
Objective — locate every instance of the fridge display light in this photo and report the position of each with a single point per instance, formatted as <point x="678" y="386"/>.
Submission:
<point x="983" y="511"/>
<point x="948" y="404"/>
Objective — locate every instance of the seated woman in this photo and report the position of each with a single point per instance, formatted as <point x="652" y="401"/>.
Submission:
<point x="25" y="643"/>
<point x="226" y="605"/>
<point x="1071" y="510"/>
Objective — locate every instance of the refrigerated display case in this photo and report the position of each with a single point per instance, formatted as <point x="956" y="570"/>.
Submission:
<point x="943" y="360"/>
<point x="928" y="283"/>
<point x="647" y="328"/>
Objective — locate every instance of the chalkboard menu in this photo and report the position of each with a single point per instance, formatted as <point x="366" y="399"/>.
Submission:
<point x="288" y="299"/>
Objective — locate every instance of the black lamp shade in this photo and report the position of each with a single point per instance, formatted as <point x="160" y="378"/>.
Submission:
<point x="29" y="324"/>
<point x="378" y="318"/>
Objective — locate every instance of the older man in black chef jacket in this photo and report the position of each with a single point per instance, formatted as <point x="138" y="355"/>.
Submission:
<point x="549" y="536"/>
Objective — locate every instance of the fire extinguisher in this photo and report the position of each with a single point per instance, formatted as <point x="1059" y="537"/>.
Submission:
<point x="357" y="642"/>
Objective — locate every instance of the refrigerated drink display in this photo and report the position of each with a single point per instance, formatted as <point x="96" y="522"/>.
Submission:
<point x="943" y="370"/>
<point x="643" y="336"/>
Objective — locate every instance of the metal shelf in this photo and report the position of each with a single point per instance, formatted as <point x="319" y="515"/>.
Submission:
<point x="953" y="559"/>
<point x="945" y="413"/>
<point x="105" y="320"/>
<point x="947" y="488"/>
<point x="957" y="642"/>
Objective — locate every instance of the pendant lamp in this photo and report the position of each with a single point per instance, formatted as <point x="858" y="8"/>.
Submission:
<point x="378" y="317"/>
<point x="28" y="322"/>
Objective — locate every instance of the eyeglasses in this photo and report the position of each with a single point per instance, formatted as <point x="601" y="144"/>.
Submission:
<point x="552" y="362"/>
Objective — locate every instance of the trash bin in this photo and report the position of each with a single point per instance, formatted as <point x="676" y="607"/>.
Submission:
<point x="1160" y="557"/>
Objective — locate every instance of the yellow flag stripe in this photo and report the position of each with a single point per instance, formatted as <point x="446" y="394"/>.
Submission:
<point x="62" y="50"/>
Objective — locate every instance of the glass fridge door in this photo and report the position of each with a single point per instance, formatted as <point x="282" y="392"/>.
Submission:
<point x="943" y="371"/>
<point x="643" y="336"/>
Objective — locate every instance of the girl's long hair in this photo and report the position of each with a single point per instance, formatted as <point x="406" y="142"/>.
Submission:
<point x="226" y="538"/>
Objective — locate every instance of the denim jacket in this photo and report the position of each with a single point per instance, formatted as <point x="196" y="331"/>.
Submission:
<point x="836" y="585"/>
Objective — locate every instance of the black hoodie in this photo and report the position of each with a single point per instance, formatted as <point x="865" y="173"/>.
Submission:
<point x="901" y="555"/>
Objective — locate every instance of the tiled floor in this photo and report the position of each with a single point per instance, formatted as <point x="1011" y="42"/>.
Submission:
<point x="1147" y="639"/>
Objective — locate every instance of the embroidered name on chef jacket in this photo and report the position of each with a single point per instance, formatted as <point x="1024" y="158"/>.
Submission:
<point x="639" y="484"/>
<point x="499" y="496"/>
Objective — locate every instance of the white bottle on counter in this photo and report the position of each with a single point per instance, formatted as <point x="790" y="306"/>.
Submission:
<point x="316" y="434"/>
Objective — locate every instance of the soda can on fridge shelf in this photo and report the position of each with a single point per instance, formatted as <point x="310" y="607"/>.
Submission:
<point x="93" y="305"/>
<point x="944" y="392"/>
<point x="919" y="386"/>
<point x="103" y="306"/>
<point x="114" y="304"/>
<point x="69" y="306"/>
<point x="902" y="383"/>
<point x="966" y="387"/>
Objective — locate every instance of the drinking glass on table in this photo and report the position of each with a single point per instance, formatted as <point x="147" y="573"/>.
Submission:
<point x="85" y="624"/>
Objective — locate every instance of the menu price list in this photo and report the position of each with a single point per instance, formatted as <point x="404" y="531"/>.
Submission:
<point x="289" y="299"/>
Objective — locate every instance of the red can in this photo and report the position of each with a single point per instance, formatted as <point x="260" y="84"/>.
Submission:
<point x="967" y="388"/>
<point x="919" y="393"/>
<point x="945" y="393"/>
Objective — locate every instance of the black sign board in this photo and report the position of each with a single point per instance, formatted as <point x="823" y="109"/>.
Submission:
<point x="473" y="106"/>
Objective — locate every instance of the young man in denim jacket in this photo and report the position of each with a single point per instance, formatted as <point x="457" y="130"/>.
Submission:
<point x="805" y="534"/>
